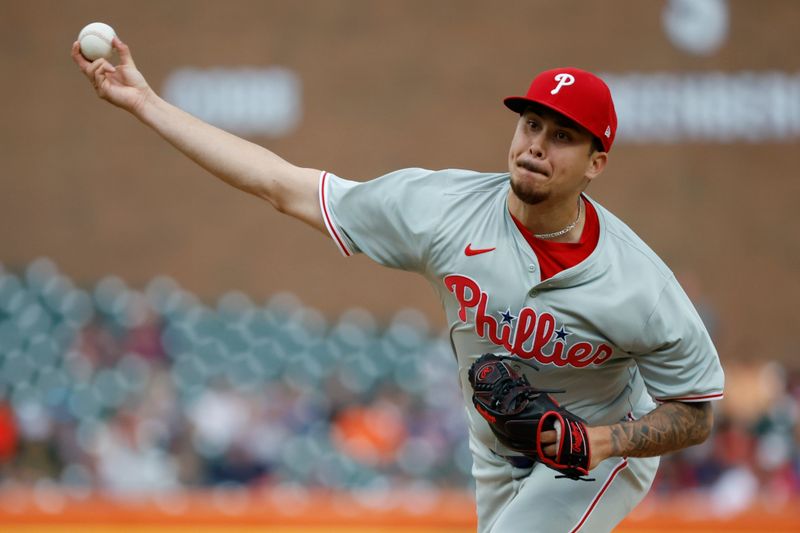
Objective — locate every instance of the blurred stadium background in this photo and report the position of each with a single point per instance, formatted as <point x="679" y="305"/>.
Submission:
<point x="148" y="313"/>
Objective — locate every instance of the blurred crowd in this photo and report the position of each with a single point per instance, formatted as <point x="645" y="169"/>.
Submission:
<point x="148" y="391"/>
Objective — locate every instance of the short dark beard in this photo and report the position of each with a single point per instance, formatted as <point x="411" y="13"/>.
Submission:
<point x="528" y="197"/>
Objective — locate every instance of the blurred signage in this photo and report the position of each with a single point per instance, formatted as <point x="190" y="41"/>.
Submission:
<point x="709" y="106"/>
<point x="696" y="26"/>
<point x="247" y="101"/>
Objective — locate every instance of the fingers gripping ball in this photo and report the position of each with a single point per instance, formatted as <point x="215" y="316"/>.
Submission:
<point x="518" y="413"/>
<point x="573" y="454"/>
<point x="95" y="39"/>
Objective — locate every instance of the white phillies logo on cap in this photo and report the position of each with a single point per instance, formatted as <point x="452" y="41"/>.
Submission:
<point x="563" y="80"/>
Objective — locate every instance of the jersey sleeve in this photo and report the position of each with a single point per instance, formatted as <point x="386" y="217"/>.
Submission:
<point x="678" y="360"/>
<point x="392" y="219"/>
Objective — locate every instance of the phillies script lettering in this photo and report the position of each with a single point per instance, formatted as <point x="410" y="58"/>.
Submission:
<point x="539" y="329"/>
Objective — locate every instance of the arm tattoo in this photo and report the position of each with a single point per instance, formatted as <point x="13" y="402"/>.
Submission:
<point x="670" y="427"/>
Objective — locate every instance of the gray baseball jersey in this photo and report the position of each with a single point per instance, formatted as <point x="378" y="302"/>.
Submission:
<point x="616" y="331"/>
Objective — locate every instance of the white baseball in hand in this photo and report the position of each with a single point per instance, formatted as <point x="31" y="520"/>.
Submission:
<point x="95" y="39"/>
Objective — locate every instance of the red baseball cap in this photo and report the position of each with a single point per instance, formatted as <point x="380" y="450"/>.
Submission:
<point x="576" y="94"/>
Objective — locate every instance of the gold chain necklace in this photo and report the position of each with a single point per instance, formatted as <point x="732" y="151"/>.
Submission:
<point x="563" y="231"/>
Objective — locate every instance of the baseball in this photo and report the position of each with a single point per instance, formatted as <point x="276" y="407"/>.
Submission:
<point x="95" y="39"/>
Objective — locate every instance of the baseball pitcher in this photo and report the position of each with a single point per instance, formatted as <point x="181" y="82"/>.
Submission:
<point x="581" y="360"/>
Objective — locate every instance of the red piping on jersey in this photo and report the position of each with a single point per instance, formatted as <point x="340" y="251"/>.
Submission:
<point x="716" y="396"/>
<point x="611" y="477"/>
<point x="328" y="222"/>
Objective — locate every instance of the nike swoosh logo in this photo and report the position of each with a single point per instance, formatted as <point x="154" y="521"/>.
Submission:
<point x="469" y="251"/>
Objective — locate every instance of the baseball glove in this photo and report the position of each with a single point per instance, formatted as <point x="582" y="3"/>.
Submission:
<point x="518" y="413"/>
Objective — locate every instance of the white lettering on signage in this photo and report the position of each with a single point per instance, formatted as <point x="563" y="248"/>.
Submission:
<point x="712" y="106"/>
<point x="249" y="101"/>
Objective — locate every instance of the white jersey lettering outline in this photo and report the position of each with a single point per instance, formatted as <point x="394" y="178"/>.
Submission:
<point x="530" y="326"/>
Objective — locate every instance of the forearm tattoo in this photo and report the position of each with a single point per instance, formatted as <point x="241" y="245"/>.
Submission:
<point x="670" y="427"/>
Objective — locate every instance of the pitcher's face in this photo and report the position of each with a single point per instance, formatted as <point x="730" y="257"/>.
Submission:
<point x="551" y="157"/>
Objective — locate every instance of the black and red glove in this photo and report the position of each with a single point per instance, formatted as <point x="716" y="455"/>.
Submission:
<point x="518" y="413"/>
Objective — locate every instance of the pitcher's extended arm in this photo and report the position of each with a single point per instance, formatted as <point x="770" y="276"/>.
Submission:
<point x="240" y="163"/>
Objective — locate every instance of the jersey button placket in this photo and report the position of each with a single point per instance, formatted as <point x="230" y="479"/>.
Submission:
<point x="533" y="293"/>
